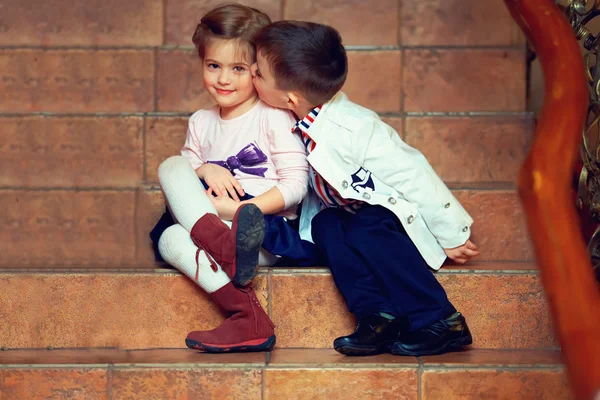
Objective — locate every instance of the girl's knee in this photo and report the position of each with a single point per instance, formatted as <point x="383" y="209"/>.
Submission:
<point x="171" y="241"/>
<point x="172" y="166"/>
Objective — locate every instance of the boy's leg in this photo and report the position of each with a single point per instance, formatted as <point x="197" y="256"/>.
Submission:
<point x="435" y="326"/>
<point x="236" y="248"/>
<point x="377" y="327"/>
<point x="376" y="234"/>
<point x="247" y="328"/>
<point x="352" y="276"/>
<point x="283" y="239"/>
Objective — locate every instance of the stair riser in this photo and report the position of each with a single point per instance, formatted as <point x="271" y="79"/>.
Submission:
<point x="504" y="310"/>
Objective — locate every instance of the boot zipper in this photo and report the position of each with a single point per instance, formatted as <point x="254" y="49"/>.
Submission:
<point x="252" y="304"/>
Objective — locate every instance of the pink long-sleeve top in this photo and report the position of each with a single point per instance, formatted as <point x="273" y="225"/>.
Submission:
<point x="258" y="147"/>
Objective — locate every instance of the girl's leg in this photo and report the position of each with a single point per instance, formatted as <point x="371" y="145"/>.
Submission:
<point x="177" y="248"/>
<point x="234" y="248"/>
<point x="184" y="192"/>
<point x="247" y="328"/>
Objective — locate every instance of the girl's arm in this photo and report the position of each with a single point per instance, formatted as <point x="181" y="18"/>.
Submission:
<point x="191" y="149"/>
<point x="270" y="202"/>
<point x="289" y="156"/>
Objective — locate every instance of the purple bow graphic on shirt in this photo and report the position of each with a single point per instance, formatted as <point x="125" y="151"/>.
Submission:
<point x="247" y="157"/>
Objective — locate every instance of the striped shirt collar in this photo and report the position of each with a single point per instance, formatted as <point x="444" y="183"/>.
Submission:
<point x="305" y="123"/>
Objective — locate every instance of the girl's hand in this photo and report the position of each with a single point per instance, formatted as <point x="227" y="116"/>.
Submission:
<point x="226" y="207"/>
<point x="220" y="181"/>
<point x="462" y="254"/>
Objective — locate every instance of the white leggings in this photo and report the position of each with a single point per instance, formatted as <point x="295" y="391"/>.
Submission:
<point x="188" y="202"/>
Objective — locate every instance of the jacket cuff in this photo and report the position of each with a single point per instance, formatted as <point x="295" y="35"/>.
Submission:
<point x="458" y="240"/>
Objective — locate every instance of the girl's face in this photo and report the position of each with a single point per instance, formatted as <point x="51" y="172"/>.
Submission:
<point x="227" y="78"/>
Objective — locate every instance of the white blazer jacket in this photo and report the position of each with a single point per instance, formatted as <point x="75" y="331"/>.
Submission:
<point x="363" y="158"/>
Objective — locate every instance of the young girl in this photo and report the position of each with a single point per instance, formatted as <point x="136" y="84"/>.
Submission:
<point x="239" y="149"/>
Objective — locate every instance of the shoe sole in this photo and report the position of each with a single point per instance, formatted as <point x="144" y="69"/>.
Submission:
<point x="237" y="348"/>
<point x="249" y="237"/>
<point x="355" y="351"/>
<point x="453" y="345"/>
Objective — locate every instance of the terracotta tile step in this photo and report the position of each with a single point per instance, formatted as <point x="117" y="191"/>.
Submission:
<point x="505" y="308"/>
<point x="281" y="374"/>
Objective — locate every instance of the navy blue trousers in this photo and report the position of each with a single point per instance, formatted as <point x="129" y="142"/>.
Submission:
<point x="281" y="239"/>
<point x="376" y="266"/>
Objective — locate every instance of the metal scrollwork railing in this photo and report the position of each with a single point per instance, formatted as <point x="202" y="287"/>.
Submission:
<point x="581" y="15"/>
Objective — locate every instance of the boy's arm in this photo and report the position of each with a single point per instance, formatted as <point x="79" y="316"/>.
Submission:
<point x="405" y="169"/>
<point x="462" y="254"/>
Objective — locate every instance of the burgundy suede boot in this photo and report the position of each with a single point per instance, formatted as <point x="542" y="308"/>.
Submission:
<point x="247" y="328"/>
<point x="236" y="249"/>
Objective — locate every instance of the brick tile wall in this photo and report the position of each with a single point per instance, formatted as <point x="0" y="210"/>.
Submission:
<point x="95" y="94"/>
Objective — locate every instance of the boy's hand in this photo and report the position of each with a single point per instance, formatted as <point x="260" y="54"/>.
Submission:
<point x="226" y="207"/>
<point x="462" y="254"/>
<point x="220" y="181"/>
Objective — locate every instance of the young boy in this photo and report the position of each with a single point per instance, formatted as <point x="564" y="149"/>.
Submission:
<point x="382" y="212"/>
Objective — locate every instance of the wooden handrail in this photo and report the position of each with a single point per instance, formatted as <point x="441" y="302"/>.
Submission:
<point x="544" y="186"/>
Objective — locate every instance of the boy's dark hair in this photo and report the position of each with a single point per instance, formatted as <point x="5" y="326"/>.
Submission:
<point x="306" y="57"/>
<point x="233" y="22"/>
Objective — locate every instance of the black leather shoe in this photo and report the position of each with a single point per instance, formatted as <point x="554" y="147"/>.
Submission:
<point x="439" y="337"/>
<point x="373" y="335"/>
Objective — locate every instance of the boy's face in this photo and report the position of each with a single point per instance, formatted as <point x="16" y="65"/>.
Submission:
<point x="265" y="84"/>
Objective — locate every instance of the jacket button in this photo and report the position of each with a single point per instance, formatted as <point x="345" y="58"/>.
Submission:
<point x="392" y="200"/>
<point x="345" y="184"/>
<point x="447" y="205"/>
<point x="410" y="219"/>
<point x="366" y="196"/>
<point x="466" y="228"/>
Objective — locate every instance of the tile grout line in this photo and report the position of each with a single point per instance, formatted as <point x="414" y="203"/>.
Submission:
<point x="155" y="86"/>
<point x="269" y="298"/>
<point x="262" y="383"/>
<point x="356" y="366"/>
<point x="164" y="21"/>
<point x="185" y="366"/>
<point x="264" y="375"/>
<point x="144" y="167"/>
<point x="402" y="68"/>
<point x="525" y="114"/>
<point x="187" y="47"/>
<point x="399" y="23"/>
<point x="282" y="4"/>
<point x="493" y="367"/>
<point x="420" y="379"/>
<point x="109" y="382"/>
<point x="287" y="273"/>
<point x="455" y="186"/>
<point x="136" y="198"/>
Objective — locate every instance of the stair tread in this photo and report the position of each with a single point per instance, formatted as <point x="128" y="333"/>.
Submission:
<point x="294" y="358"/>
<point x="471" y="357"/>
<point x="497" y="357"/>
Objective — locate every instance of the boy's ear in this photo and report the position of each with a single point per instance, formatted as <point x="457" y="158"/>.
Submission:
<point x="293" y="101"/>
